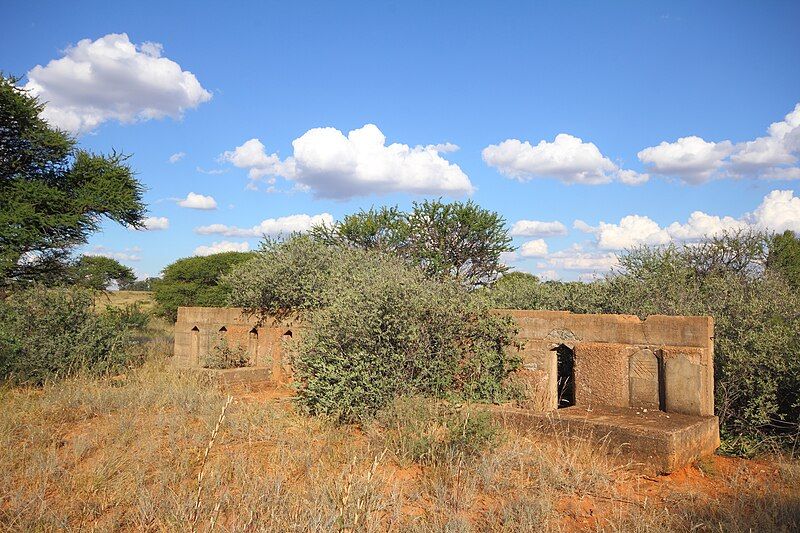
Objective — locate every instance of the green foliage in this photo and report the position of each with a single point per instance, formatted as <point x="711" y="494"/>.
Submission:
<point x="518" y="290"/>
<point x="54" y="194"/>
<point x="98" y="272"/>
<point x="385" y="229"/>
<point x="433" y="432"/>
<point x="139" y="285"/>
<point x="460" y="240"/>
<point x="379" y="328"/>
<point x="784" y="257"/>
<point x="194" y="281"/>
<point x="223" y="356"/>
<point x="48" y="334"/>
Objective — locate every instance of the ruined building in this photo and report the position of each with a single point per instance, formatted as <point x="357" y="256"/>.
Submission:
<point x="644" y="387"/>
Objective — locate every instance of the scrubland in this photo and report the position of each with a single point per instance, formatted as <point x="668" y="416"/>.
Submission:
<point x="162" y="450"/>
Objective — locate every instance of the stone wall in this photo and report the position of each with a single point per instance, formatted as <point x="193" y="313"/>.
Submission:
<point x="661" y="363"/>
<point x="199" y="331"/>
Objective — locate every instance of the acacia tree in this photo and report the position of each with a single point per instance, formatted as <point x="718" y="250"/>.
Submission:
<point x="195" y="281"/>
<point x="54" y="195"/>
<point x="460" y="240"/>
<point x="98" y="272"/>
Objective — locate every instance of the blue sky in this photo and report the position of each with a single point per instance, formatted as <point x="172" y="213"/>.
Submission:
<point x="522" y="89"/>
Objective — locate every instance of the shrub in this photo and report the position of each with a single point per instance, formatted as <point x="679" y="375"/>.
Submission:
<point x="49" y="334"/>
<point x="223" y="356"/>
<point x="378" y="328"/>
<point x="194" y="281"/>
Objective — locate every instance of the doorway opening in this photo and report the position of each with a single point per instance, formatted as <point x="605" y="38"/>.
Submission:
<point x="195" y="355"/>
<point x="565" y="363"/>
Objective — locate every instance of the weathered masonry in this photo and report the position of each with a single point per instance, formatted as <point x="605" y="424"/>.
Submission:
<point x="646" y="387"/>
<point x="662" y="363"/>
<point x="200" y="332"/>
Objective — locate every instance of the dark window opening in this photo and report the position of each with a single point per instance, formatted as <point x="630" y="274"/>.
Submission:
<point x="287" y="335"/>
<point x="254" y="332"/>
<point x="223" y="329"/>
<point x="195" y="328"/>
<point x="565" y="360"/>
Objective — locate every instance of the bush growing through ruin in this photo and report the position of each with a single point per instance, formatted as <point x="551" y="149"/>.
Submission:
<point x="379" y="328"/>
<point x="224" y="356"/>
<point x="48" y="334"/>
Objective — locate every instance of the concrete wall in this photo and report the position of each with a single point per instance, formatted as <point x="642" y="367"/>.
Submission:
<point x="199" y="330"/>
<point x="663" y="362"/>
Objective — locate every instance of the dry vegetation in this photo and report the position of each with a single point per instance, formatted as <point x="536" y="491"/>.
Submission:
<point x="126" y="453"/>
<point x="144" y="299"/>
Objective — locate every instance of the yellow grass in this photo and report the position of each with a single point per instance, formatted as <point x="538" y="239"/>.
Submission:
<point x="123" y="298"/>
<point x="133" y="452"/>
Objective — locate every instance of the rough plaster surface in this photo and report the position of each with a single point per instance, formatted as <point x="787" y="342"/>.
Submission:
<point x="613" y="365"/>
<point x="644" y="371"/>
<point x="199" y="330"/>
<point x="601" y="374"/>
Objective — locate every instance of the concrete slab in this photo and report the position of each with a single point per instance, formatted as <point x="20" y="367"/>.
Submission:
<point x="654" y="441"/>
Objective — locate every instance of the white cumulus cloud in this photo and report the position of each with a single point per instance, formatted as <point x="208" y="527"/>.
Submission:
<point x="198" y="201"/>
<point x="567" y="158"/>
<point x="577" y="259"/>
<point x="177" y="156"/>
<point x="535" y="248"/>
<point x="695" y="160"/>
<point x="271" y="227"/>
<point x="631" y="231"/>
<point x="778" y="211"/>
<point x="156" y="223"/>
<point x="129" y="254"/>
<point x="537" y="228"/>
<point x="112" y="78"/>
<point x="692" y="159"/>
<point x="333" y="165"/>
<point x="222" y="246"/>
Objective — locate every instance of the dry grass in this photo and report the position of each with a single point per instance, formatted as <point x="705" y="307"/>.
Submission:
<point x="126" y="453"/>
<point x="122" y="298"/>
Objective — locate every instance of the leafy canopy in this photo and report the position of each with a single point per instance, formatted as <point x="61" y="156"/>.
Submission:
<point x="460" y="240"/>
<point x="194" y="281"/>
<point x="784" y="257"/>
<point x="98" y="272"/>
<point x="54" y="194"/>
